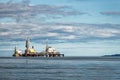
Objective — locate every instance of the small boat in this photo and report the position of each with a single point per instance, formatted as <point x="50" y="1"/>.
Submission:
<point x="30" y="52"/>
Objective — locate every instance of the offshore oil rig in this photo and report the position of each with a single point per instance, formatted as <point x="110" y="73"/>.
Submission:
<point x="30" y="52"/>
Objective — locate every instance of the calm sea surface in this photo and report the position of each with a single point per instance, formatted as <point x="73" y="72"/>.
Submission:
<point x="59" y="69"/>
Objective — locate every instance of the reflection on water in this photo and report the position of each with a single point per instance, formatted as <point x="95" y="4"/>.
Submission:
<point x="38" y="69"/>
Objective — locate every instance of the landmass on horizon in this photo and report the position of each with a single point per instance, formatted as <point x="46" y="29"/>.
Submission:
<point x="113" y="55"/>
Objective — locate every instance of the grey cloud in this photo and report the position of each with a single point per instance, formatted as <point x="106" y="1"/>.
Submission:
<point x="111" y="13"/>
<point x="63" y="31"/>
<point x="21" y="11"/>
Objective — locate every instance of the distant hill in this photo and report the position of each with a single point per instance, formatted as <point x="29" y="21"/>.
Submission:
<point x="116" y="55"/>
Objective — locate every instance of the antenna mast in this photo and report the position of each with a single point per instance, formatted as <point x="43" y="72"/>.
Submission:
<point x="46" y="45"/>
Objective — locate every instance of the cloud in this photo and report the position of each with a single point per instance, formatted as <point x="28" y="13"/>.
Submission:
<point x="31" y="20"/>
<point x="69" y="29"/>
<point x="63" y="31"/>
<point x="111" y="13"/>
<point x="25" y="12"/>
<point x="69" y="37"/>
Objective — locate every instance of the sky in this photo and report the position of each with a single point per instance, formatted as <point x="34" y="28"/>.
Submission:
<point x="73" y="27"/>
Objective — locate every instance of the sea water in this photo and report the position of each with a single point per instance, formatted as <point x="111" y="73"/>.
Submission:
<point x="59" y="69"/>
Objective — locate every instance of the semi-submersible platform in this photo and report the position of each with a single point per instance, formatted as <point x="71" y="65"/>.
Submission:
<point x="30" y="52"/>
